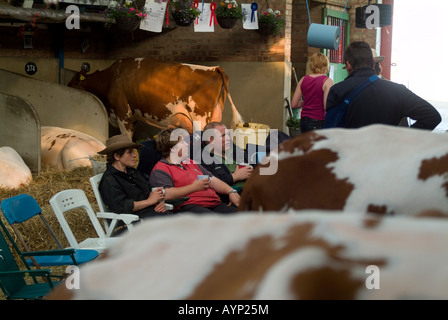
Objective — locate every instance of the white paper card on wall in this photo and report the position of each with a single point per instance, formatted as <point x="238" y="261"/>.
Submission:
<point x="28" y="4"/>
<point x="331" y="73"/>
<point x="156" y="15"/>
<point x="250" y="17"/>
<point x="202" y="23"/>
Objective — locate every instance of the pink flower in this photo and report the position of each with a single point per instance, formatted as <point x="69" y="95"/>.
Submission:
<point x="131" y="9"/>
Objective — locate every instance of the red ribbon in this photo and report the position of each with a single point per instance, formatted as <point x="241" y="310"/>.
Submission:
<point x="167" y="13"/>
<point x="196" y="5"/>
<point x="213" y="7"/>
<point x="33" y="22"/>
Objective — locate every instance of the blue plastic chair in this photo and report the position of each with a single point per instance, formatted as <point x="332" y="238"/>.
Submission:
<point x="12" y="279"/>
<point x="23" y="207"/>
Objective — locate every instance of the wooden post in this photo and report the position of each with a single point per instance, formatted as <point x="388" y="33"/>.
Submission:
<point x="386" y="44"/>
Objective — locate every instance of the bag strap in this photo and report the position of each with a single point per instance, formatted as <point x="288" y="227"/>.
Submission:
<point x="364" y="85"/>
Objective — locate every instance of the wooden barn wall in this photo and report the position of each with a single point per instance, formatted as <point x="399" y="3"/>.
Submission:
<point x="259" y="67"/>
<point x="300" y="51"/>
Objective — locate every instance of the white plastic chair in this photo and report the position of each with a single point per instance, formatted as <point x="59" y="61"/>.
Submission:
<point x="110" y="219"/>
<point x="66" y="201"/>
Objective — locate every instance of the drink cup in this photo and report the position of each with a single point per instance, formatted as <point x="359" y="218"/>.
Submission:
<point x="243" y="165"/>
<point x="203" y="176"/>
<point x="163" y="192"/>
<point x="155" y="188"/>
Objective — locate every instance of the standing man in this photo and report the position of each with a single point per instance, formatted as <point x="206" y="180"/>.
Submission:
<point x="382" y="102"/>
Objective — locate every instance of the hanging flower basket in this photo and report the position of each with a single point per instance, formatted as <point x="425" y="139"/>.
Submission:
<point x="127" y="24"/>
<point x="227" y="13"/>
<point x="270" y="23"/>
<point x="184" y="12"/>
<point x="265" y="28"/>
<point x="124" y="15"/>
<point x="226" y="22"/>
<point x="182" y="19"/>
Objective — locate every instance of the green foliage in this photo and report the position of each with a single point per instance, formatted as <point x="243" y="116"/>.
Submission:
<point x="293" y="122"/>
<point x="123" y="9"/>
<point x="229" y="9"/>
<point x="273" y="17"/>
<point x="185" y="7"/>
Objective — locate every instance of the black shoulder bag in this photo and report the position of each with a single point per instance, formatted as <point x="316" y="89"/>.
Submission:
<point x="335" y="116"/>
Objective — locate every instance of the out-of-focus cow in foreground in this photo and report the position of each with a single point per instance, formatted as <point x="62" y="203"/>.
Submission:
<point x="311" y="255"/>
<point x="162" y="94"/>
<point x="378" y="169"/>
<point x="67" y="149"/>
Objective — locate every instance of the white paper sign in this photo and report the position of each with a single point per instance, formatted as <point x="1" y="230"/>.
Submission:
<point x="156" y="15"/>
<point x="202" y="23"/>
<point x="247" y="17"/>
<point x="331" y="73"/>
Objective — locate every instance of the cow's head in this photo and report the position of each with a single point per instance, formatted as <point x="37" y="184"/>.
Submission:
<point x="78" y="78"/>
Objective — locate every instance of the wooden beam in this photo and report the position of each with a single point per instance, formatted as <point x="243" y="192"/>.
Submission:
<point x="386" y="44"/>
<point x="12" y="13"/>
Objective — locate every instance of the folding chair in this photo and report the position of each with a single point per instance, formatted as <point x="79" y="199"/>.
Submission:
<point x="24" y="207"/>
<point x="107" y="216"/>
<point x="65" y="202"/>
<point x="12" y="279"/>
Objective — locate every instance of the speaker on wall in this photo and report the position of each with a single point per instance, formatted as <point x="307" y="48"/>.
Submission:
<point x="385" y="15"/>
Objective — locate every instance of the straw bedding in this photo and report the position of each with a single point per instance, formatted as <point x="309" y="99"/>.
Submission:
<point x="43" y="187"/>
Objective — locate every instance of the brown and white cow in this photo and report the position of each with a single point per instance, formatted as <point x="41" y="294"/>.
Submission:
<point x="162" y="94"/>
<point x="14" y="173"/>
<point x="379" y="169"/>
<point x="67" y="149"/>
<point x="272" y="256"/>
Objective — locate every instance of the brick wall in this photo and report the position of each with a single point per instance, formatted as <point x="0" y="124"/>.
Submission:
<point x="183" y="44"/>
<point x="358" y="34"/>
<point x="174" y="43"/>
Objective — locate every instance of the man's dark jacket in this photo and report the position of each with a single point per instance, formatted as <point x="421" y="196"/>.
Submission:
<point x="382" y="102"/>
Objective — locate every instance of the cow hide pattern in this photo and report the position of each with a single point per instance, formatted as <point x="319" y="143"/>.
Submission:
<point x="311" y="255"/>
<point x="376" y="169"/>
